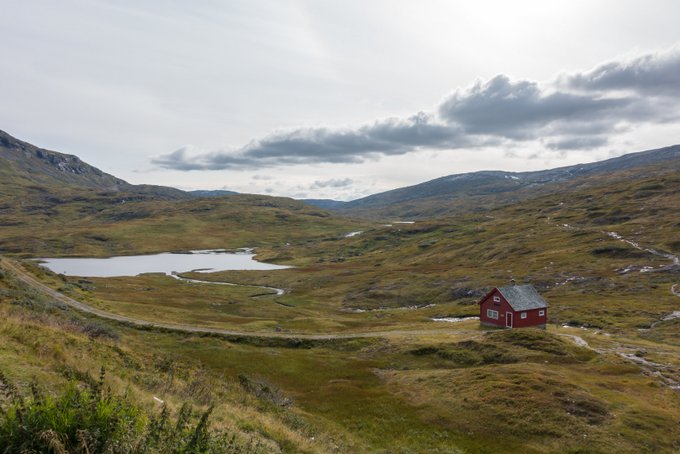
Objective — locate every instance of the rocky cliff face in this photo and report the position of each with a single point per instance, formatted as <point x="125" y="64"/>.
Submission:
<point x="47" y="167"/>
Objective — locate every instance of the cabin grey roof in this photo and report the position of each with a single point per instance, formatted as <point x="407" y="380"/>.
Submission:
<point x="523" y="297"/>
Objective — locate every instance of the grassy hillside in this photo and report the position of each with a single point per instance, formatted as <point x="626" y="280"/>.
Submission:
<point x="101" y="225"/>
<point x="427" y="392"/>
<point x="559" y="243"/>
<point x="603" y="377"/>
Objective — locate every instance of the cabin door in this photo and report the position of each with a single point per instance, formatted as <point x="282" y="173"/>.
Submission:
<point x="508" y="319"/>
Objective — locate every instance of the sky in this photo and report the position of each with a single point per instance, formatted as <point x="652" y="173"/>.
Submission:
<point x="328" y="99"/>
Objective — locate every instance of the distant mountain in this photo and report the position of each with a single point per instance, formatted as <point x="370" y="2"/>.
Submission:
<point x="476" y="190"/>
<point x="25" y="165"/>
<point x="325" y="204"/>
<point x="211" y="193"/>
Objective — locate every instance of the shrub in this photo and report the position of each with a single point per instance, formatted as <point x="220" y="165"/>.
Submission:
<point x="92" y="420"/>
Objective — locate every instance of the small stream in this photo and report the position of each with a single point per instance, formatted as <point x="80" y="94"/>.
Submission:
<point x="274" y="290"/>
<point x="675" y="260"/>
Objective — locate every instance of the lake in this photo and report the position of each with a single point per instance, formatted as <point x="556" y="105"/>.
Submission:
<point x="202" y="261"/>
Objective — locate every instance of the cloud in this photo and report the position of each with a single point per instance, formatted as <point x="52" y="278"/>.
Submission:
<point x="178" y="160"/>
<point x="574" y="111"/>
<point x="520" y="110"/>
<point x="656" y="74"/>
<point x="576" y="143"/>
<point x="332" y="183"/>
<point x="392" y="136"/>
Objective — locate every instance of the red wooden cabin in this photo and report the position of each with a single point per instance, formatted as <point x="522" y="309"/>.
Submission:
<point x="514" y="306"/>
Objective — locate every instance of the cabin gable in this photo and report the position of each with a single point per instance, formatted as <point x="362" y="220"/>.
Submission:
<point x="493" y="309"/>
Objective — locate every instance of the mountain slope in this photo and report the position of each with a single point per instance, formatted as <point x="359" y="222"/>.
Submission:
<point x="23" y="165"/>
<point x="455" y="193"/>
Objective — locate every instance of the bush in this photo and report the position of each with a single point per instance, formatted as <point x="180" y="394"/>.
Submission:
<point x="92" y="420"/>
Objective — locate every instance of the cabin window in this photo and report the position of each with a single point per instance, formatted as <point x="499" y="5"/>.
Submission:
<point x="496" y="299"/>
<point x="541" y="313"/>
<point x="524" y="315"/>
<point x="492" y="314"/>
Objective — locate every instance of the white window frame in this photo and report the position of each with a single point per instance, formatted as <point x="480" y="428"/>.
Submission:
<point x="523" y="315"/>
<point x="492" y="314"/>
<point x="496" y="299"/>
<point x="541" y="313"/>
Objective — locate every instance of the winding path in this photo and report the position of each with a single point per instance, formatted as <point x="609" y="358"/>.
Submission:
<point x="31" y="281"/>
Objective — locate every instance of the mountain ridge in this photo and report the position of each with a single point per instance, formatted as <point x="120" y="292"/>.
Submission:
<point x="485" y="185"/>
<point x="26" y="165"/>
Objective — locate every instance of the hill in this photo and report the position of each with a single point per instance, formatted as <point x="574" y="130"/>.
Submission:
<point x="54" y="203"/>
<point x="23" y="166"/>
<point x="454" y="194"/>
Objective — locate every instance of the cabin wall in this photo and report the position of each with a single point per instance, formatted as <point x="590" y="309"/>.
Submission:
<point x="533" y="319"/>
<point x="488" y="303"/>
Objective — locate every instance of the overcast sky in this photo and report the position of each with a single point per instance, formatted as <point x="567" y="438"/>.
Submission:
<point x="337" y="99"/>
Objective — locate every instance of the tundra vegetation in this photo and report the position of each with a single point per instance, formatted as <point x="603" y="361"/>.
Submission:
<point x="603" y="377"/>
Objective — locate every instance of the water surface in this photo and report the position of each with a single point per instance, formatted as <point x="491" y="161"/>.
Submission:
<point x="168" y="263"/>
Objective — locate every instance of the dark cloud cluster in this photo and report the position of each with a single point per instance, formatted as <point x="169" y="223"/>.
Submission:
<point x="392" y="136"/>
<point x="518" y="110"/>
<point x="652" y="75"/>
<point x="576" y="111"/>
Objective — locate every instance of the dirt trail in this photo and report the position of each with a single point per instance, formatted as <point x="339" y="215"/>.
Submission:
<point x="31" y="281"/>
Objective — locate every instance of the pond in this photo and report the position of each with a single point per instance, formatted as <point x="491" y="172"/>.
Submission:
<point x="207" y="261"/>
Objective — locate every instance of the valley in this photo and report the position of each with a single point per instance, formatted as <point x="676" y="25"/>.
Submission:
<point x="349" y="357"/>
